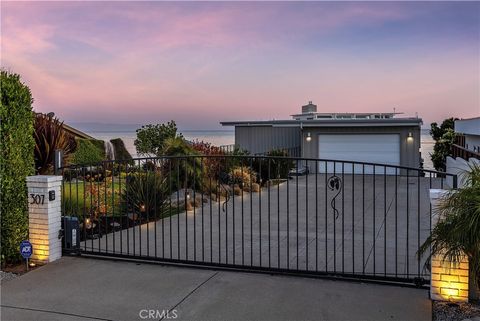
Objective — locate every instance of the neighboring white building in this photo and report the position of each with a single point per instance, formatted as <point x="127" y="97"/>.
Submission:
<point x="470" y="129"/>
<point x="466" y="150"/>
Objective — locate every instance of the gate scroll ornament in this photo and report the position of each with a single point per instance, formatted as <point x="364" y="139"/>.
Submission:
<point x="335" y="184"/>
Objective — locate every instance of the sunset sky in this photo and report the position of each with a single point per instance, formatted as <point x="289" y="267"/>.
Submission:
<point x="204" y="62"/>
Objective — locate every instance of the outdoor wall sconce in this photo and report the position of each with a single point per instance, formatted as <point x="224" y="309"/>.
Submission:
<point x="410" y="137"/>
<point x="309" y="137"/>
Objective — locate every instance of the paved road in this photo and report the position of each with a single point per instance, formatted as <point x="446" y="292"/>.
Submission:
<point x="92" y="289"/>
<point x="377" y="230"/>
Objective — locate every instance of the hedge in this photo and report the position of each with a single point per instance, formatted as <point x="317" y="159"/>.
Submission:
<point x="121" y="152"/>
<point x="89" y="151"/>
<point x="16" y="162"/>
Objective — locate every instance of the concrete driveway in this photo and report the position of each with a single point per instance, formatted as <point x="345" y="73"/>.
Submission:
<point x="377" y="229"/>
<point x="92" y="289"/>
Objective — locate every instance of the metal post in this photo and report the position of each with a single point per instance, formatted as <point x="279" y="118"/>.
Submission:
<point x="58" y="161"/>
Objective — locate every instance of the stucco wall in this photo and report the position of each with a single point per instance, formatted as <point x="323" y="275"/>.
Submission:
<point x="409" y="149"/>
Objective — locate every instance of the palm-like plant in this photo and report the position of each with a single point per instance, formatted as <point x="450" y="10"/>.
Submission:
<point x="50" y="135"/>
<point x="186" y="171"/>
<point x="457" y="232"/>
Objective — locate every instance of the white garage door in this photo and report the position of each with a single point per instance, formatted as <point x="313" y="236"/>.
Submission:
<point x="370" y="148"/>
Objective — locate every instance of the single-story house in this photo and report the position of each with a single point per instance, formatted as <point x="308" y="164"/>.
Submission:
<point x="364" y="137"/>
<point x="75" y="132"/>
<point x="71" y="130"/>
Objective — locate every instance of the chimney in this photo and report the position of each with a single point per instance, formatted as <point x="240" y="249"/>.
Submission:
<point x="310" y="108"/>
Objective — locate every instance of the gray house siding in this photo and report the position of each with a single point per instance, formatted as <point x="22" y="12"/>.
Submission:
<point x="409" y="149"/>
<point x="262" y="139"/>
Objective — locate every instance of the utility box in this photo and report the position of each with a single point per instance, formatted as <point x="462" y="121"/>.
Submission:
<point x="71" y="234"/>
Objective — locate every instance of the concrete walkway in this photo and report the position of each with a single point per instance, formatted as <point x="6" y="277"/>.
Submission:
<point x="93" y="289"/>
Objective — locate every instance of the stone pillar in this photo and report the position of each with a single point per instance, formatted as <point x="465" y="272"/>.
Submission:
<point x="44" y="217"/>
<point x="449" y="280"/>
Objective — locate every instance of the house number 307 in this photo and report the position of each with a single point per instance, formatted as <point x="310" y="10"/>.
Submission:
<point x="37" y="199"/>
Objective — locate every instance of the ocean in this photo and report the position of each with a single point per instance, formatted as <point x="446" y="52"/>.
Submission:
<point x="227" y="137"/>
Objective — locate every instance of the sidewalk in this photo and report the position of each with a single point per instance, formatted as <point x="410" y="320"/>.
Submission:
<point x="93" y="289"/>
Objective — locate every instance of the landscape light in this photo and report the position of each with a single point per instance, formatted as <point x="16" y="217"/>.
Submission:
<point x="88" y="224"/>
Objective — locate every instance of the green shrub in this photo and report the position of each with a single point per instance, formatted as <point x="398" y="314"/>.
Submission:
<point x="89" y="151"/>
<point x="185" y="172"/>
<point x="457" y="232"/>
<point x="243" y="176"/>
<point x="16" y="162"/>
<point x="121" y="152"/>
<point x="273" y="168"/>
<point x="99" y="144"/>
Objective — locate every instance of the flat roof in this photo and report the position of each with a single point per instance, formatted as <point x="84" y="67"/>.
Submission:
<point x="328" y="122"/>
<point x="469" y="126"/>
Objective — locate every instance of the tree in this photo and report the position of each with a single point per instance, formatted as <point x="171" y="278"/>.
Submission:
<point x="437" y="132"/>
<point x="444" y="137"/>
<point x="442" y="149"/>
<point x="16" y="162"/>
<point x="457" y="232"/>
<point x="151" y="138"/>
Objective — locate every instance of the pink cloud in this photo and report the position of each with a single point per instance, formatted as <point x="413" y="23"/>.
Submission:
<point x="138" y="61"/>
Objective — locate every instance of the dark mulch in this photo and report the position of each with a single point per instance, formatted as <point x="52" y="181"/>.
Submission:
<point x="18" y="268"/>
<point x="446" y="311"/>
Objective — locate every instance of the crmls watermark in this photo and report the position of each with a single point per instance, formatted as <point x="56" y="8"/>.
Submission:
<point x="157" y="314"/>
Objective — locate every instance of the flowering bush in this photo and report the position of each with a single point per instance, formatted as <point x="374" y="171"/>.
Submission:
<point x="99" y="197"/>
<point x="213" y="166"/>
<point x="243" y="176"/>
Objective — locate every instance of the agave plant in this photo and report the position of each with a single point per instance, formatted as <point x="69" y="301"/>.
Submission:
<point x="145" y="193"/>
<point x="457" y="232"/>
<point x="50" y="135"/>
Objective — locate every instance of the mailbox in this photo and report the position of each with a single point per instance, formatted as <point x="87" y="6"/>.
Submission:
<point x="71" y="234"/>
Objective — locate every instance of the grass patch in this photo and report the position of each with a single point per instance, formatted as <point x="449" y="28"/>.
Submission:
<point x="89" y="197"/>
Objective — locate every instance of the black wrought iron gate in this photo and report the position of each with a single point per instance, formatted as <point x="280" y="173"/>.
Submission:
<point x="272" y="214"/>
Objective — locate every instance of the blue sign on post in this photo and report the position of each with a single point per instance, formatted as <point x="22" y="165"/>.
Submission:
<point x="26" y="249"/>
